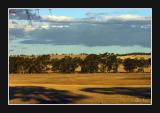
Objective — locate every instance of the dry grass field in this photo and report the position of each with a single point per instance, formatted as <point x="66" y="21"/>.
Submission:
<point x="135" y="56"/>
<point x="96" y="88"/>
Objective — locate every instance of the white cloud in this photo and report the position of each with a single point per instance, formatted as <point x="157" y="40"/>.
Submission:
<point x="14" y="24"/>
<point x="35" y="25"/>
<point x="53" y="26"/>
<point x="126" y="17"/>
<point x="45" y="26"/>
<point x="57" y="18"/>
<point x="94" y="19"/>
<point x="59" y="26"/>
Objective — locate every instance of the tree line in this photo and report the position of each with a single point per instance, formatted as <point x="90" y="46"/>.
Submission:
<point x="107" y="62"/>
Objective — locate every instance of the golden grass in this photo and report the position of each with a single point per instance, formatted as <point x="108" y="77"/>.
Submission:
<point x="96" y="88"/>
<point x="71" y="55"/>
<point x="82" y="79"/>
<point x="135" y="56"/>
<point x="84" y="56"/>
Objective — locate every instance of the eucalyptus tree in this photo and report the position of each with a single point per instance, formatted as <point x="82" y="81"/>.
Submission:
<point x="90" y="64"/>
<point x="109" y="62"/>
<point x="130" y="64"/>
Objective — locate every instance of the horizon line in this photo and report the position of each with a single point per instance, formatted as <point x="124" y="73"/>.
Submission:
<point x="79" y="54"/>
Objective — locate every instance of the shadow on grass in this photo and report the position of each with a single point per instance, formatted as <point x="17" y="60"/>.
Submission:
<point x="130" y="91"/>
<point x="42" y="95"/>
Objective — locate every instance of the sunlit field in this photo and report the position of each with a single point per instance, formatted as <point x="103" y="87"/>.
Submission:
<point x="96" y="88"/>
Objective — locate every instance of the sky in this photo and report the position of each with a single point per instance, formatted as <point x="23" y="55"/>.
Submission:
<point x="80" y="30"/>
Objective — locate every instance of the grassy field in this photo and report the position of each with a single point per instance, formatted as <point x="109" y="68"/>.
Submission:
<point x="97" y="88"/>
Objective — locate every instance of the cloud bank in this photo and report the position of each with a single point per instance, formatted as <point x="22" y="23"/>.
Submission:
<point x="92" y="30"/>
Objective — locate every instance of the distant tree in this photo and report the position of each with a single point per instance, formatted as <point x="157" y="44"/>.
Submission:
<point x="90" y="64"/>
<point x="23" y="64"/>
<point x="148" y="62"/>
<point x="129" y="64"/>
<point x="103" y="61"/>
<point x="140" y="64"/>
<point x="66" y="64"/>
<point x="12" y="65"/>
<point x="77" y="60"/>
<point x="109" y="62"/>
<point x="116" y="63"/>
<point x="17" y="64"/>
<point x="38" y="64"/>
<point x="55" y="65"/>
<point x="112" y="63"/>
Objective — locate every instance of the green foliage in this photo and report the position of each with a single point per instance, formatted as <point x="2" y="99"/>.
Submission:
<point x="90" y="64"/>
<point x="66" y="64"/>
<point x="107" y="62"/>
<point x="21" y="64"/>
<point x="139" y="64"/>
<point x="130" y="64"/>
<point x="55" y="65"/>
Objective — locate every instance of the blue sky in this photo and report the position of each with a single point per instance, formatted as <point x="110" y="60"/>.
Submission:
<point x="80" y="12"/>
<point x="81" y="30"/>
